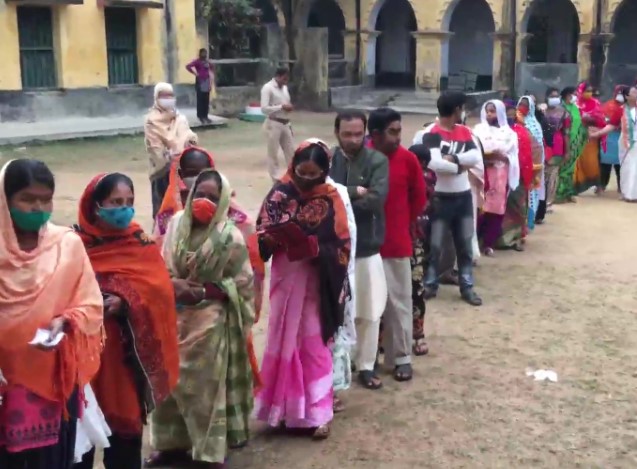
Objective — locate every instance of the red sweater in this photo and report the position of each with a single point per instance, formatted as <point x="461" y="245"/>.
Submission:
<point x="405" y="202"/>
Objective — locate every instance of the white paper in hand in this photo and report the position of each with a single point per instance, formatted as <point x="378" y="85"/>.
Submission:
<point x="43" y="337"/>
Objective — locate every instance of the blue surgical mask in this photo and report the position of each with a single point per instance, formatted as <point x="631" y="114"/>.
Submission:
<point x="117" y="217"/>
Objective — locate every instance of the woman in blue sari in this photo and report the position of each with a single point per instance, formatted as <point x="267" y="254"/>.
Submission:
<point x="526" y="107"/>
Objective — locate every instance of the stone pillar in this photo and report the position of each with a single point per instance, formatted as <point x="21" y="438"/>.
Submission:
<point x="429" y="51"/>
<point x="311" y="69"/>
<point x="584" y="56"/>
<point x="520" y="45"/>
<point x="349" y="54"/>
<point x="367" y="71"/>
<point x="502" y="43"/>
<point x="271" y="50"/>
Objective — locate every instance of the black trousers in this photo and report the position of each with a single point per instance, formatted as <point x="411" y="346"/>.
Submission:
<point x="58" y="456"/>
<point x="158" y="187"/>
<point x="541" y="212"/>
<point x="124" y="453"/>
<point x="605" y="172"/>
<point x="203" y="102"/>
<point x="451" y="212"/>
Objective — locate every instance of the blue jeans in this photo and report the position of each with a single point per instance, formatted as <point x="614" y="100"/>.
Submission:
<point x="451" y="212"/>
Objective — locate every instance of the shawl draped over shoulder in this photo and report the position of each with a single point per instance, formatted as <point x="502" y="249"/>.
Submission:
<point x="320" y="212"/>
<point x="142" y="340"/>
<point x="53" y="280"/>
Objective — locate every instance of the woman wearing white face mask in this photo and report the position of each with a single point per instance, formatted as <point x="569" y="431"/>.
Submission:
<point x="609" y="151"/>
<point x="556" y="136"/>
<point x="166" y="134"/>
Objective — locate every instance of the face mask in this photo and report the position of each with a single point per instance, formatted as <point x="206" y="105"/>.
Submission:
<point x="117" y="217"/>
<point x="189" y="182"/>
<point x="305" y="184"/>
<point x="620" y="98"/>
<point x="167" y="103"/>
<point x="203" y="210"/>
<point x="523" y="110"/>
<point x="553" y="101"/>
<point x="29" y="221"/>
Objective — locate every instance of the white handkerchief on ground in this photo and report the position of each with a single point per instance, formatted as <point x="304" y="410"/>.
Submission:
<point x="543" y="375"/>
<point x="43" y="337"/>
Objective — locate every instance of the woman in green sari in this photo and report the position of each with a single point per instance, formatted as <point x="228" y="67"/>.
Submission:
<point x="210" y="267"/>
<point x="577" y="139"/>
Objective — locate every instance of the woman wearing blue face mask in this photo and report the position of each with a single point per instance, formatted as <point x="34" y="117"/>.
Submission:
<point x="140" y="362"/>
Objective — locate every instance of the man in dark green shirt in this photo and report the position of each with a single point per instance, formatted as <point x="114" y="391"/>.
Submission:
<point x="365" y="173"/>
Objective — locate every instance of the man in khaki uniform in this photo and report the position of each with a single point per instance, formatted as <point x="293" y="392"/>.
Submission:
<point x="275" y="104"/>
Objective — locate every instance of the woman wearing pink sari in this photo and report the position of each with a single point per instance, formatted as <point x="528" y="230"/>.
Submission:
<point x="308" y="291"/>
<point x="502" y="169"/>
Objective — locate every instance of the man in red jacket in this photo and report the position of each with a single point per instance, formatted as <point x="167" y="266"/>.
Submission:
<point x="405" y="202"/>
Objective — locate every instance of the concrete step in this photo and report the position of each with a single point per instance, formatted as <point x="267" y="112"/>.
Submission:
<point x="426" y="111"/>
<point x="71" y="128"/>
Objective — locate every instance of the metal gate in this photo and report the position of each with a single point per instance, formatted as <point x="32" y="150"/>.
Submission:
<point x="121" y="46"/>
<point x="37" y="57"/>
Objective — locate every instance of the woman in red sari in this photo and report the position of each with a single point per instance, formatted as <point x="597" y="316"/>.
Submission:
<point x="609" y="153"/>
<point x="514" y="225"/>
<point x="140" y="362"/>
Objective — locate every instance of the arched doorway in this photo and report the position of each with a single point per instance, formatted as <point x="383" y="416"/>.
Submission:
<point x="327" y="14"/>
<point x="469" y="55"/>
<point x="553" y="29"/>
<point x="621" y="64"/>
<point x="622" y="48"/>
<point x="395" y="48"/>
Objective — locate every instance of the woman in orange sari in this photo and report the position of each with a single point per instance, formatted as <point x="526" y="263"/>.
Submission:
<point x="140" y="364"/>
<point x="46" y="282"/>
<point x="587" y="171"/>
<point x="184" y="171"/>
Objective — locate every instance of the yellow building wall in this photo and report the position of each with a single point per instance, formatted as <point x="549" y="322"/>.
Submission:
<point x="81" y="45"/>
<point x="187" y="41"/>
<point x="10" y="78"/>
<point x="150" y="46"/>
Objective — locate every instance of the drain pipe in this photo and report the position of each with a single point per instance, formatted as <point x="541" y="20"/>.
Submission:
<point x="513" y="53"/>
<point x="357" y="65"/>
<point x="597" y="48"/>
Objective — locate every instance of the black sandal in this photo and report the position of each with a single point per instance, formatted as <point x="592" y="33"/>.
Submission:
<point x="369" y="380"/>
<point x="403" y="373"/>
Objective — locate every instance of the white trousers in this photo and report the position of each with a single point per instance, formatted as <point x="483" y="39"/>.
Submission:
<point x="371" y="298"/>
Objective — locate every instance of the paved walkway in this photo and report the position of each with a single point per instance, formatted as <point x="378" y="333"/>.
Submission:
<point x="17" y="133"/>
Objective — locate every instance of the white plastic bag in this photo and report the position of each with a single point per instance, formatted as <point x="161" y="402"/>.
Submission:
<point x="92" y="429"/>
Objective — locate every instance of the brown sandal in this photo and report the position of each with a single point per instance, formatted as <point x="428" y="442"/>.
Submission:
<point x="420" y="347"/>
<point x="338" y="405"/>
<point x="167" y="458"/>
<point x="321" y="433"/>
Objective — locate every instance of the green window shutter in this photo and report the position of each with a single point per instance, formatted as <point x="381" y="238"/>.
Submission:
<point x="37" y="57"/>
<point x="121" y="46"/>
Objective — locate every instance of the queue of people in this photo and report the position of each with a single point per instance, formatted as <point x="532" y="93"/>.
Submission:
<point x="140" y="328"/>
